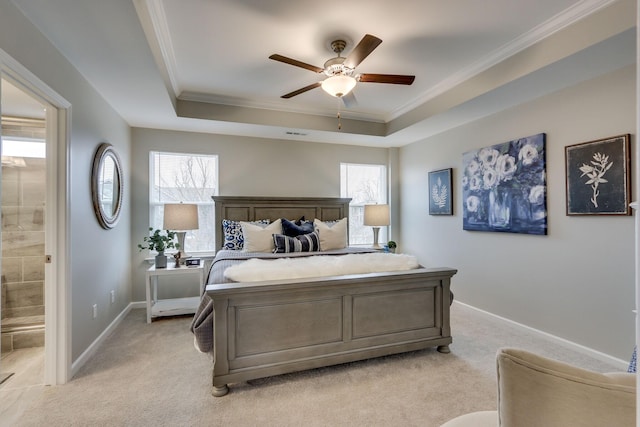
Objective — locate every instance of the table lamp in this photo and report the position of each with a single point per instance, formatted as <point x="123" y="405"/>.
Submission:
<point x="376" y="216"/>
<point x="180" y="217"/>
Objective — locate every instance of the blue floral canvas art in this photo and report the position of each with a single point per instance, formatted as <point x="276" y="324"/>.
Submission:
<point x="504" y="187"/>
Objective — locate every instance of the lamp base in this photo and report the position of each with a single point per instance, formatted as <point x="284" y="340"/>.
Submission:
<point x="181" y="235"/>
<point x="376" y="231"/>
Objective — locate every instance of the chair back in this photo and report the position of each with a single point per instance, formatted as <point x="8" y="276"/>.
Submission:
<point x="534" y="391"/>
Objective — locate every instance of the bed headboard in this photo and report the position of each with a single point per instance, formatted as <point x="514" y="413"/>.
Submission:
<point x="240" y="208"/>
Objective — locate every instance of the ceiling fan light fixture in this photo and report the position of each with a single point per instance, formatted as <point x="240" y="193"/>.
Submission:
<point x="338" y="86"/>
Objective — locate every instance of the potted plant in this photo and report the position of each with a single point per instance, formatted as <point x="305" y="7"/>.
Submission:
<point x="159" y="242"/>
<point x="392" y="246"/>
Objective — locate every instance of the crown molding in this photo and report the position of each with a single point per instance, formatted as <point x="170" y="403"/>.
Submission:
<point x="277" y="106"/>
<point x="158" y="18"/>
<point x="562" y="20"/>
<point x="559" y="22"/>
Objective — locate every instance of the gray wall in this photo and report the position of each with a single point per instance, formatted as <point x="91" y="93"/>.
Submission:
<point x="578" y="281"/>
<point x="248" y="167"/>
<point x="99" y="260"/>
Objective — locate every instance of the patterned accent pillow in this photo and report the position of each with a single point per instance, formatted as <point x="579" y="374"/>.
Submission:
<point x="233" y="238"/>
<point x="293" y="229"/>
<point x="309" y="242"/>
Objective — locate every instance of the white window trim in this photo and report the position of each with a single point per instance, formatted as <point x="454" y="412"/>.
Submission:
<point x="153" y="205"/>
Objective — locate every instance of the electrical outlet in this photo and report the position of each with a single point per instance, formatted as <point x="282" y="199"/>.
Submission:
<point x="113" y="296"/>
<point x="95" y="310"/>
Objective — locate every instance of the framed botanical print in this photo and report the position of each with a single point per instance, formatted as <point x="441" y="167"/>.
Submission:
<point x="598" y="177"/>
<point x="440" y="192"/>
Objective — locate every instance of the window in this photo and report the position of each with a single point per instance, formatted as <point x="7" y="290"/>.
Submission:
<point x="366" y="185"/>
<point x="188" y="178"/>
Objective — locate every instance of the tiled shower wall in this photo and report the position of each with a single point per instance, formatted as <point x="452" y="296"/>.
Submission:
<point x="23" y="199"/>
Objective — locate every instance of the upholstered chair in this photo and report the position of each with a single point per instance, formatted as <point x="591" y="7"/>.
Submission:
<point x="534" y="391"/>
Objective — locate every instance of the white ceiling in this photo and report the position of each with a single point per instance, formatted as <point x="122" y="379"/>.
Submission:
<point x="203" y="65"/>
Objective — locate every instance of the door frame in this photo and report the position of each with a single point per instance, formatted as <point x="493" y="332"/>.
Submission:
<point x="57" y="299"/>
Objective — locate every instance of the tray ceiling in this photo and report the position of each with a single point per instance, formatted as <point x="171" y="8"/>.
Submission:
<point x="203" y="65"/>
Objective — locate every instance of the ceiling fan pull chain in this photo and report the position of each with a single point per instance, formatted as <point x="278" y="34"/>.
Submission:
<point x="339" y="121"/>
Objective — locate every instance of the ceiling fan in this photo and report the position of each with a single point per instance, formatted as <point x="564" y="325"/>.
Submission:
<point x="340" y="71"/>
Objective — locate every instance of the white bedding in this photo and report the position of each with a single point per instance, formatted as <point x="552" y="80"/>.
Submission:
<point x="254" y="270"/>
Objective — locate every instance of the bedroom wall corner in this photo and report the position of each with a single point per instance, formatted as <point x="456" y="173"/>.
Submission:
<point x="394" y="195"/>
<point x="576" y="283"/>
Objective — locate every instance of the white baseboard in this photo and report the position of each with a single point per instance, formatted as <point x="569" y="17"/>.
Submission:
<point x="619" y="363"/>
<point x="91" y="350"/>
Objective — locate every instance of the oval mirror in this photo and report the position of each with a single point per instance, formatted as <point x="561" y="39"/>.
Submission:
<point x="106" y="185"/>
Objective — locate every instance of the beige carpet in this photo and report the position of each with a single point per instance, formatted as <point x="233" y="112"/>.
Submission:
<point x="151" y="375"/>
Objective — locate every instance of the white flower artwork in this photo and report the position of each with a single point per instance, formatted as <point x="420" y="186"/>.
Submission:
<point x="504" y="188"/>
<point x="598" y="177"/>
<point x="595" y="172"/>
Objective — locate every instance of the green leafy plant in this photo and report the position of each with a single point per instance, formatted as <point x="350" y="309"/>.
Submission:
<point x="391" y="244"/>
<point x="159" y="242"/>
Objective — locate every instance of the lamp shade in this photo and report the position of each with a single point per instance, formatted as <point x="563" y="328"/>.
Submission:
<point x="180" y="216"/>
<point x="338" y="86"/>
<point x="376" y="215"/>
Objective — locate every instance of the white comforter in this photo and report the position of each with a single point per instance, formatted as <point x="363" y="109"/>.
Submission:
<point x="255" y="270"/>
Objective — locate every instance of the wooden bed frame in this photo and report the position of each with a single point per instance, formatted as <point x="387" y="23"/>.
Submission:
<point x="270" y="328"/>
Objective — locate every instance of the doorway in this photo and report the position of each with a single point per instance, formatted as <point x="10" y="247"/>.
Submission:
<point x="57" y="349"/>
<point x="23" y="188"/>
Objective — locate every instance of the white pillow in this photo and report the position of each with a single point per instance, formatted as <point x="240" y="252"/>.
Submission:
<point x="259" y="238"/>
<point x="332" y="236"/>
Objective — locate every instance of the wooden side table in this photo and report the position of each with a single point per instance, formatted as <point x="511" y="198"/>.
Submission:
<point x="173" y="306"/>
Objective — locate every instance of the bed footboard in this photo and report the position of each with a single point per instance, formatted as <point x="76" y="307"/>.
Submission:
<point x="272" y="328"/>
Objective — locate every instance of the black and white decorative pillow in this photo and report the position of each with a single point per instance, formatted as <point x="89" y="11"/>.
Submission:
<point x="309" y="242"/>
<point x="233" y="238"/>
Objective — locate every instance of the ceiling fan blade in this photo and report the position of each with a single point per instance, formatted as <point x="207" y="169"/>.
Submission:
<point x="349" y="100"/>
<point x="395" y="79"/>
<point x="362" y="50"/>
<point x="296" y="63"/>
<point x="302" y="90"/>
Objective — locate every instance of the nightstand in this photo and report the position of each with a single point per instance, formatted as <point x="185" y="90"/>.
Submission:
<point x="173" y="306"/>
